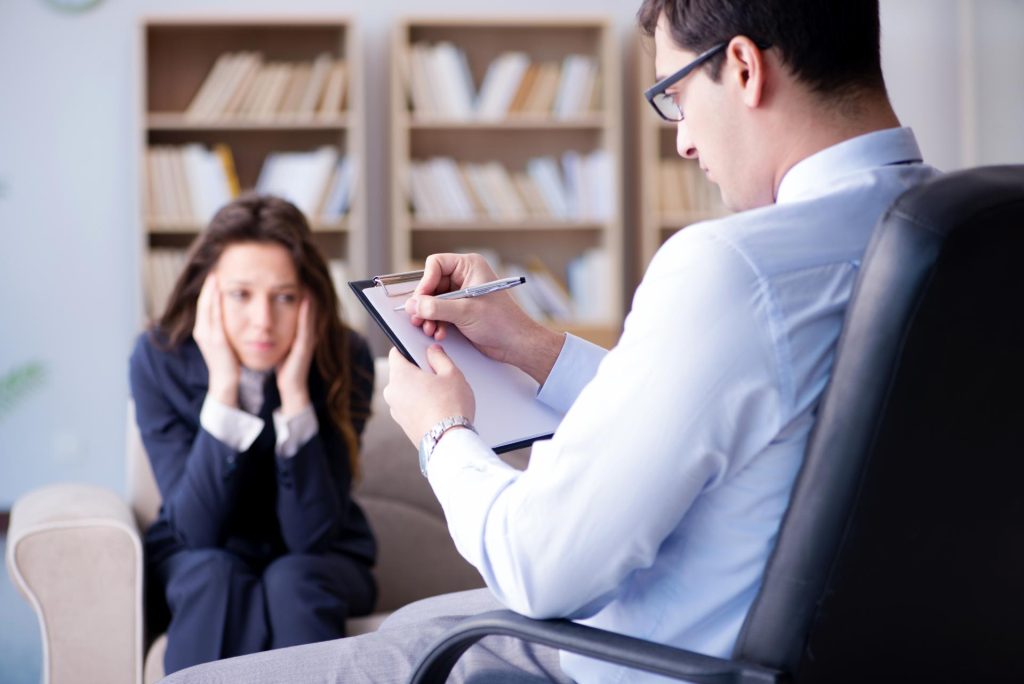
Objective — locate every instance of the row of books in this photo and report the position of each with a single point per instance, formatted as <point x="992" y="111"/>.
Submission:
<point x="240" y="85"/>
<point x="440" y="84"/>
<point x="187" y="184"/>
<point x="579" y="187"/>
<point x="583" y="294"/>
<point x="164" y="265"/>
<point x="683" y="187"/>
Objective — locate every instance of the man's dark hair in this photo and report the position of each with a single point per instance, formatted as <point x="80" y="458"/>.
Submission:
<point x="832" y="46"/>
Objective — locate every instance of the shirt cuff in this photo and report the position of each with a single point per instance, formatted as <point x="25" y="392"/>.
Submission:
<point x="231" y="426"/>
<point x="294" y="432"/>
<point x="575" y="366"/>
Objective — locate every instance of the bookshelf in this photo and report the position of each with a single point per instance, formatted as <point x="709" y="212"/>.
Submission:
<point x="229" y="104"/>
<point x="506" y="140"/>
<point x="673" y="191"/>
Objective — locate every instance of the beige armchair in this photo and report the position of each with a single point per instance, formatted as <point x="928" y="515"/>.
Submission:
<point x="75" y="553"/>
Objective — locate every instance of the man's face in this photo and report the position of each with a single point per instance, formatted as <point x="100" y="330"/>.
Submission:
<point x="712" y="130"/>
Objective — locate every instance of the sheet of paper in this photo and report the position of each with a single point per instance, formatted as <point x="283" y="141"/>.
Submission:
<point x="507" y="409"/>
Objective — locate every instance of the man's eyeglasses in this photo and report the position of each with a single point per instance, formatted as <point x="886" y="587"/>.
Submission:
<point x="665" y="104"/>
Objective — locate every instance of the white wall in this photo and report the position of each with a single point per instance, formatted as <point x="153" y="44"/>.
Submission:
<point x="70" y="250"/>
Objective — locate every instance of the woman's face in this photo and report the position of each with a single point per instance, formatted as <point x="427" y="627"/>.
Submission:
<point x="260" y="296"/>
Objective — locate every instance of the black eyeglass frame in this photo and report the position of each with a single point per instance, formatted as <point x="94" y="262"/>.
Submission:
<point x="664" y="84"/>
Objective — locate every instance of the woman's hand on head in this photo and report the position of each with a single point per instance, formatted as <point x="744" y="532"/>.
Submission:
<point x="208" y="332"/>
<point x="293" y="371"/>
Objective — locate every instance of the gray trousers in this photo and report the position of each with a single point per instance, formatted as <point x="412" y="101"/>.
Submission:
<point x="389" y="654"/>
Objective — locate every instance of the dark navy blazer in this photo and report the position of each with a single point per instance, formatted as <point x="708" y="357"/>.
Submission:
<point x="253" y="503"/>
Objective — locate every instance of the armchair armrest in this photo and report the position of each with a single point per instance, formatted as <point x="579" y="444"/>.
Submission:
<point x="74" y="552"/>
<point x="588" y="641"/>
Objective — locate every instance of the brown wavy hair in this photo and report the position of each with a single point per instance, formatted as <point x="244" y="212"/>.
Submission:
<point x="271" y="220"/>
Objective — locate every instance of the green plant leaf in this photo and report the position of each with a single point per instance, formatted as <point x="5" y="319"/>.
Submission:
<point x="19" y="382"/>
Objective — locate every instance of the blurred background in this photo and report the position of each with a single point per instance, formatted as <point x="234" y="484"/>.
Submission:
<point x="78" y="86"/>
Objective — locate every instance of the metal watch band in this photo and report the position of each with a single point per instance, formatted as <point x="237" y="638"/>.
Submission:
<point x="432" y="436"/>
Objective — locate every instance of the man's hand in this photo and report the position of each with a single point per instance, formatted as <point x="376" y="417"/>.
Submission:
<point x="208" y="332"/>
<point x="419" y="399"/>
<point x="293" y="371"/>
<point x="494" y="323"/>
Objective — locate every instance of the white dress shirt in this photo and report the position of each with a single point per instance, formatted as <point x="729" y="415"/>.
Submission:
<point x="239" y="427"/>
<point x="653" y="509"/>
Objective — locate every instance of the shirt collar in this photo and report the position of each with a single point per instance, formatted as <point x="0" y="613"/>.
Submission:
<point x="871" y="150"/>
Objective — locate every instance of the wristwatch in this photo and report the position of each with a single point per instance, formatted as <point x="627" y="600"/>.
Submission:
<point x="429" y="440"/>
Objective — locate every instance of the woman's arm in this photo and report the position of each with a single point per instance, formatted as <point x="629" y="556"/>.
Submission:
<point x="194" y="471"/>
<point x="314" y="485"/>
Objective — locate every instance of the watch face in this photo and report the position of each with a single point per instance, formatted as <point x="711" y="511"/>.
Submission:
<point x="72" y="5"/>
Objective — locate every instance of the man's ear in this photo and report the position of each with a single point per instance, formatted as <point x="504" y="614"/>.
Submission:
<point x="745" y="64"/>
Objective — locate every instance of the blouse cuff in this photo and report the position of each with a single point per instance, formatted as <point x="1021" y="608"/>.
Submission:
<point x="231" y="426"/>
<point x="293" y="433"/>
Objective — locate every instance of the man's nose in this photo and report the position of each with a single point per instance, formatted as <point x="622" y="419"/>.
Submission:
<point x="684" y="146"/>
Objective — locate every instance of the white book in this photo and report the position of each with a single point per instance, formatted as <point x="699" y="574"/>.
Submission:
<point x="510" y="205"/>
<point x="423" y="92"/>
<point x="216" y="190"/>
<point x="599" y="186"/>
<point x="457" y="201"/>
<point x="572" y="172"/>
<point x="589" y="285"/>
<point x="339" y="196"/>
<point x="544" y="172"/>
<point x="299" y="177"/>
<point x="450" y="70"/>
<point x="500" y="84"/>
<point x="424" y="197"/>
<point x="569" y="96"/>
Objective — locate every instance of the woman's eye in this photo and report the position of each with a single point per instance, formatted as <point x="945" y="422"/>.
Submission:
<point x="238" y="295"/>
<point x="286" y="298"/>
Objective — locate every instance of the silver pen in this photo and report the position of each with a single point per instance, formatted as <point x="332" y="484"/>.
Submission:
<point x="478" y="290"/>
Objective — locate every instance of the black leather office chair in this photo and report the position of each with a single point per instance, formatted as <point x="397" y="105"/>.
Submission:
<point x="901" y="557"/>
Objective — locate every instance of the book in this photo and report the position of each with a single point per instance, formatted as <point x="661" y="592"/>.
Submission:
<point x="334" y="92"/>
<point x="508" y="414"/>
<point x="299" y="177"/>
<point x="318" y="76"/>
<point x="500" y="85"/>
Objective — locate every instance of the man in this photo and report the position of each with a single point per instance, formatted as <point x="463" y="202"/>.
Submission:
<point x="653" y="509"/>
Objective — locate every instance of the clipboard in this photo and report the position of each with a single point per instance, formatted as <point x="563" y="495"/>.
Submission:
<point x="508" y="414"/>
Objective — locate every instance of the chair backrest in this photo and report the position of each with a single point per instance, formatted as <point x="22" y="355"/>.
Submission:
<point x="901" y="556"/>
<point x="416" y="557"/>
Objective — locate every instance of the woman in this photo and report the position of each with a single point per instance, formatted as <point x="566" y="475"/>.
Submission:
<point x="250" y="396"/>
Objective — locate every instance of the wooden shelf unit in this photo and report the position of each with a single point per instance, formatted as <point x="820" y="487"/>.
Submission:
<point x="178" y="53"/>
<point x="513" y="140"/>
<point x="658" y="222"/>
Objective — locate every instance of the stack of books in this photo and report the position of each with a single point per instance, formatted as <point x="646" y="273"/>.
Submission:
<point x="163" y="266"/>
<point x="440" y="84"/>
<point x="187" y="184"/>
<point x="241" y="86"/>
<point x="579" y="187"/>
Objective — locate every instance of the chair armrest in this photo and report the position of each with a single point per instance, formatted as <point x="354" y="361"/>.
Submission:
<point x="596" y="643"/>
<point x="74" y="552"/>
